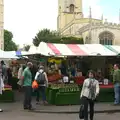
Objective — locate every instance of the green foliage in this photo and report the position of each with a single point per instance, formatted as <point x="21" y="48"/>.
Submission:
<point x="9" y="44"/>
<point x="26" y="47"/>
<point x="72" y="40"/>
<point x="48" y="36"/>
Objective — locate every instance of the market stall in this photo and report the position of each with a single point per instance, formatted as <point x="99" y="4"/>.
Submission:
<point x="59" y="94"/>
<point x="57" y="97"/>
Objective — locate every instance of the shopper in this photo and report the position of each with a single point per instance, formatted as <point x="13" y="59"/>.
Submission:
<point x="1" y="83"/>
<point x="41" y="78"/>
<point x="89" y="92"/>
<point x="27" y="84"/>
<point x="20" y="72"/>
<point x="4" y="71"/>
<point x="116" y="79"/>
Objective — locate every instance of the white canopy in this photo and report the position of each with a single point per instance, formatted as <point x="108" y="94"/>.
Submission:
<point x="7" y="55"/>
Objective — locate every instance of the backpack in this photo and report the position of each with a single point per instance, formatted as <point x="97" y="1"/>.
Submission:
<point x="41" y="78"/>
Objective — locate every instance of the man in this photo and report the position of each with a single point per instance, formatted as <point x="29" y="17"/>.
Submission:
<point x="116" y="79"/>
<point x="27" y="84"/>
<point x="41" y="78"/>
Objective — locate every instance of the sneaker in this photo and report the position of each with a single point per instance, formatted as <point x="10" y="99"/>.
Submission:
<point x="37" y="103"/>
<point x="45" y="103"/>
<point x="1" y="110"/>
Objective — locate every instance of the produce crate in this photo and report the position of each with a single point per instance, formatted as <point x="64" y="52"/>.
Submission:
<point x="69" y="90"/>
<point x="7" y="96"/>
<point x="52" y="96"/>
<point x="106" y="95"/>
<point x="47" y="93"/>
<point x="67" y="98"/>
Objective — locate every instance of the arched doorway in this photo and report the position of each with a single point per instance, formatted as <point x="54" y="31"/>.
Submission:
<point x="106" y="38"/>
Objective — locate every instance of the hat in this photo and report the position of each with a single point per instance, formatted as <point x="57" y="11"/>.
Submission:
<point x="41" y="67"/>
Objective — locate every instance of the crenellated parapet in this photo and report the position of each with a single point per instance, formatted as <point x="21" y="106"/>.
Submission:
<point x="99" y="25"/>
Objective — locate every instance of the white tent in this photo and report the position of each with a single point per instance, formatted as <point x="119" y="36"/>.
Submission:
<point x="7" y="55"/>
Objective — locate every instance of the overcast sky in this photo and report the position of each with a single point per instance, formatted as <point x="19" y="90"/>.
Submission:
<point x="25" y="17"/>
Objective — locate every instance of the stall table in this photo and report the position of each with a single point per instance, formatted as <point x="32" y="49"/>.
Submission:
<point x="8" y="94"/>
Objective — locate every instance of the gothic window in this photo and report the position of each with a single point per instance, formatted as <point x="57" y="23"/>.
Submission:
<point x="72" y="8"/>
<point x="106" y="38"/>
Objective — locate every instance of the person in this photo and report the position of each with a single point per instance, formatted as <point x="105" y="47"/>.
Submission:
<point x="78" y="73"/>
<point x="4" y="71"/>
<point x="41" y="78"/>
<point x="1" y="83"/>
<point x="116" y="80"/>
<point x="20" y="72"/>
<point x="9" y="74"/>
<point x="27" y="85"/>
<point x="89" y="92"/>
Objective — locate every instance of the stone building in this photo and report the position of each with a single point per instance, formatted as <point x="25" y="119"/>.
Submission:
<point x="2" y="24"/>
<point x="71" y="22"/>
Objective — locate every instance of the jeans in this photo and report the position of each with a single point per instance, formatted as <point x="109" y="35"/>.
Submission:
<point x="27" y="97"/>
<point x="87" y="102"/>
<point x="42" y="90"/>
<point x="117" y="93"/>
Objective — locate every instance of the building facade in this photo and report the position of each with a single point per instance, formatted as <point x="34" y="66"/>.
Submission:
<point x="71" y="22"/>
<point x="2" y="24"/>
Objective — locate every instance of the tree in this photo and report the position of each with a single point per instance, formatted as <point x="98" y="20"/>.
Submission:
<point x="26" y="47"/>
<point x="72" y="40"/>
<point x="9" y="44"/>
<point x="48" y="36"/>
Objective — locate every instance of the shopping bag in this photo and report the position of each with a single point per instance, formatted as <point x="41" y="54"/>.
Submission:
<point x="34" y="84"/>
<point x="81" y="112"/>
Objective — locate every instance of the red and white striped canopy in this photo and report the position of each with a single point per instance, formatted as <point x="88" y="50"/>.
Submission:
<point x="74" y="49"/>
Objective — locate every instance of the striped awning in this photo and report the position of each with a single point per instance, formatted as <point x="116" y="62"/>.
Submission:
<point x="68" y="49"/>
<point x="114" y="48"/>
<point x="98" y="49"/>
<point x="74" y="49"/>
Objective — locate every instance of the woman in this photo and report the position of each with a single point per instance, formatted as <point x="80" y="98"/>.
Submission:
<point x="89" y="92"/>
<point x="1" y="83"/>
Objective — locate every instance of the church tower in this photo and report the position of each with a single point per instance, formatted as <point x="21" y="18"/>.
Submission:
<point x="2" y="24"/>
<point x="68" y="10"/>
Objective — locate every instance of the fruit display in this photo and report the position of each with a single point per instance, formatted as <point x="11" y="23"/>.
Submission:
<point x="69" y="89"/>
<point x="54" y="77"/>
<point x="63" y="88"/>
